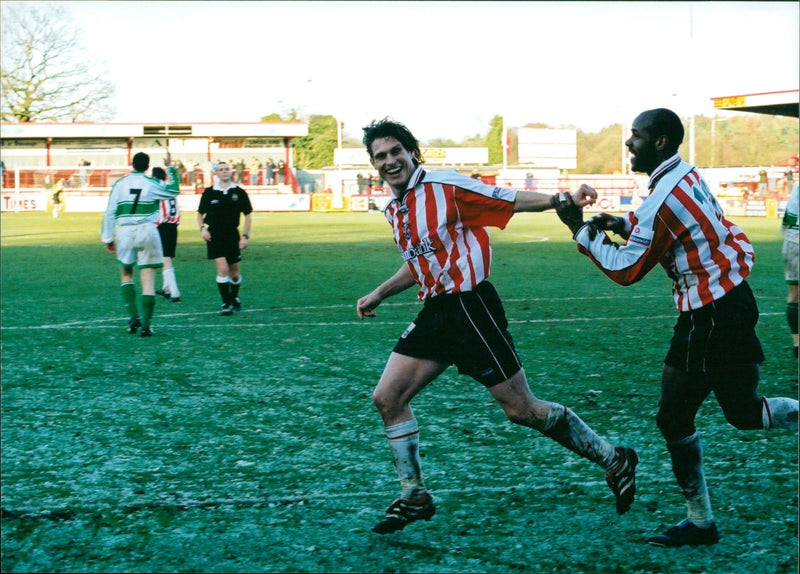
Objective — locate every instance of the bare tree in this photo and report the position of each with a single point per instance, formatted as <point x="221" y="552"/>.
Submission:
<point x="46" y="74"/>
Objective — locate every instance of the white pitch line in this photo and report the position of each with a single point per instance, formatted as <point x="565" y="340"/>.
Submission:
<point x="227" y="324"/>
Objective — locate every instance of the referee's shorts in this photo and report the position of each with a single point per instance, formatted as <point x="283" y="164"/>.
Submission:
<point x="718" y="336"/>
<point x="468" y="330"/>
<point x="224" y="245"/>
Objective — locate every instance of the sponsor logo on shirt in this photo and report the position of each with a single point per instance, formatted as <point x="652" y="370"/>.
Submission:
<point x="641" y="236"/>
<point x="425" y="246"/>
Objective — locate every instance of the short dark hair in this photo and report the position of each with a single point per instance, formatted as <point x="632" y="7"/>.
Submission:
<point x="387" y="128"/>
<point x="141" y="161"/>
<point x="662" y="121"/>
<point x="159" y="173"/>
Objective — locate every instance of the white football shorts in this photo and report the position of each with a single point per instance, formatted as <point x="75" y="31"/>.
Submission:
<point x="140" y="245"/>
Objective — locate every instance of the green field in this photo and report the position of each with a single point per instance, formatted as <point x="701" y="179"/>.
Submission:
<point x="250" y="443"/>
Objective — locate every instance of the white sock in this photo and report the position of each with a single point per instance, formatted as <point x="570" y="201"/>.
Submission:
<point x="404" y="443"/>
<point x="170" y="284"/>
<point x="567" y="428"/>
<point x="779" y="413"/>
<point x="692" y="480"/>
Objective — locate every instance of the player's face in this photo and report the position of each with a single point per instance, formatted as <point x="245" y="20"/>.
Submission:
<point x="393" y="162"/>
<point x="224" y="172"/>
<point x="642" y="147"/>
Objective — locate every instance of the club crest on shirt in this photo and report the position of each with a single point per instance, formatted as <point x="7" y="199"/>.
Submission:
<point x="425" y="246"/>
<point x="234" y="196"/>
<point x="641" y="236"/>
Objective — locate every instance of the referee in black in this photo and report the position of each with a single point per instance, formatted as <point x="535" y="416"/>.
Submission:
<point x="218" y="216"/>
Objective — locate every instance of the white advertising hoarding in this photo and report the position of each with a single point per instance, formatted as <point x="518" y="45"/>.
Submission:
<point x="548" y="147"/>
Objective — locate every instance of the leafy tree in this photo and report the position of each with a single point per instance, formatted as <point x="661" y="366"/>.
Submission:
<point x="600" y="152"/>
<point x="45" y="73"/>
<point x="315" y="150"/>
<point x="741" y="140"/>
<point x="494" y="140"/>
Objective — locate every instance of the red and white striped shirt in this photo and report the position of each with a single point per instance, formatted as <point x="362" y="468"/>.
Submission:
<point x="680" y="225"/>
<point x="169" y="211"/>
<point x="439" y="227"/>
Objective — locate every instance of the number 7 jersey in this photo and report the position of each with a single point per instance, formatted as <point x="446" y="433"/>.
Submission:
<point x="134" y="199"/>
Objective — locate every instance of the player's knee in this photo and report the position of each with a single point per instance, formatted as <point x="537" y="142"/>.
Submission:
<point x="672" y="426"/>
<point x="525" y="415"/>
<point x="745" y="417"/>
<point x="385" y="403"/>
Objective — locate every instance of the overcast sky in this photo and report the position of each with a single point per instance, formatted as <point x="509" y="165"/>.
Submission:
<point x="442" y="68"/>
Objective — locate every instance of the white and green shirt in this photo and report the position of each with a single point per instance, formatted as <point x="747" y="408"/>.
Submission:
<point x="134" y="199"/>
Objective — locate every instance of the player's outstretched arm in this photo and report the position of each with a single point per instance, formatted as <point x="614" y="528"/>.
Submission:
<point x="535" y="201"/>
<point x="400" y="281"/>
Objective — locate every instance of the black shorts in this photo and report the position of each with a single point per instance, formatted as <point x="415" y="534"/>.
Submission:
<point x="717" y="336"/>
<point x="468" y="330"/>
<point x="169" y="238"/>
<point x="226" y="246"/>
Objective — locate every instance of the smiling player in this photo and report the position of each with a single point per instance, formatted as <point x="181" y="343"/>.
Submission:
<point x="439" y="221"/>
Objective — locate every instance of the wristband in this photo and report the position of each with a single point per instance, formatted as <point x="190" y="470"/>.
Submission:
<point x="202" y="228"/>
<point x="246" y="236"/>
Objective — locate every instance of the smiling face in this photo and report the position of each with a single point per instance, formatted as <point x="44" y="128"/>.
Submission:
<point x="394" y="163"/>
<point x="642" y="146"/>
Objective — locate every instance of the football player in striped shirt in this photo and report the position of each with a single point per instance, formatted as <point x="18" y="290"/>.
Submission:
<point x="681" y="226"/>
<point x="439" y="221"/>
<point x="131" y="216"/>
<point x="169" y="217"/>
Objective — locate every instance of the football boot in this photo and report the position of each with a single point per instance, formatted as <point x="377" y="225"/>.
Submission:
<point x="622" y="480"/>
<point x="403" y="512"/>
<point x="686" y="534"/>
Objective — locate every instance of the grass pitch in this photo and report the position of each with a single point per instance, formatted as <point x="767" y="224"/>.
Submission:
<point x="249" y="443"/>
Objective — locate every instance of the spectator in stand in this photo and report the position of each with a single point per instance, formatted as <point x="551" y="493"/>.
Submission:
<point x="180" y="169"/>
<point x="255" y="167"/>
<point x="238" y="169"/>
<point x="762" y="182"/>
<point x="281" y="172"/>
<point x="361" y="183"/>
<point x="270" y="172"/>
<point x="530" y="182"/>
<point x="82" y="172"/>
